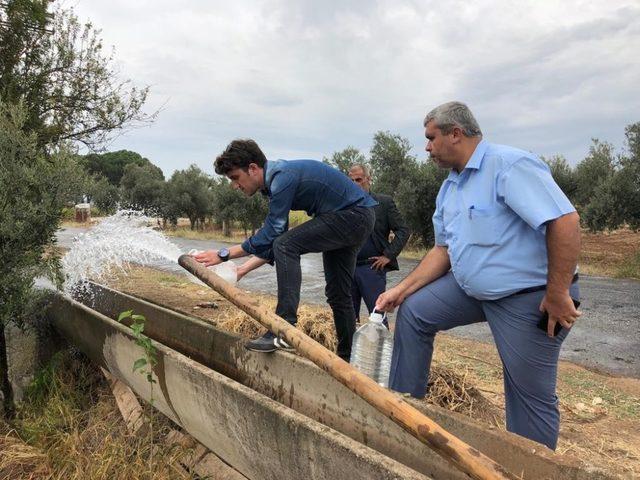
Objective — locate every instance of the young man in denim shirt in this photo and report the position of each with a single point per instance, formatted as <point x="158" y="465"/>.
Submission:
<point x="343" y="218"/>
<point x="507" y="241"/>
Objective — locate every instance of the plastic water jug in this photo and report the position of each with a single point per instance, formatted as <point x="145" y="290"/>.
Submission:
<point x="372" y="349"/>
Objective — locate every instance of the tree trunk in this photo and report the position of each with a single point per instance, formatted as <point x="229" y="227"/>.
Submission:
<point x="226" y="228"/>
<point x="5" y="384"/>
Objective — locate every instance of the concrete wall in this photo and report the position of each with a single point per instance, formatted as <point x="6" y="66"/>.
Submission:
<point x="258" y="436"/>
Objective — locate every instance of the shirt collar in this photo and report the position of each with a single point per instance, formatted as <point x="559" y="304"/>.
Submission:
<point x="478" y="154"/>
<point x="474" y="163"/>
<point x="265" y="190"/>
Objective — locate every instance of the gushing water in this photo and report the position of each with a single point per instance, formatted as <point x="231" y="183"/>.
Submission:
<point x="112" y="246"/>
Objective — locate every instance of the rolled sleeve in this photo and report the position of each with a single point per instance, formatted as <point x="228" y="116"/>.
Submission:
<point x="283" y="188"/>
<point x="530" y="191"/>
<point x="438" y="228"/>
<point x="438" y="219"/>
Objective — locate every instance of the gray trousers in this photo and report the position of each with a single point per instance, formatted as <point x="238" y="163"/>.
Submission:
<point x="529" y="357"/>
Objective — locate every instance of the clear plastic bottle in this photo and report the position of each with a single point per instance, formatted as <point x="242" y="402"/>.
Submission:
<point x="228" y="271"/>
<point x="372" y="349"/>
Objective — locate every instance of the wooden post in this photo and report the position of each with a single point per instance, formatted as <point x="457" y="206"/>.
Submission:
<point x="462" y="456"/>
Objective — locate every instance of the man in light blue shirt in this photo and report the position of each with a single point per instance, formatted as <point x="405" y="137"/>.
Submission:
<point x="506" y="247"/>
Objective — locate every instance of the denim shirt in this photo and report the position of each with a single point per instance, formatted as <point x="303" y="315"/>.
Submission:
<point x="492" y="218"/>
<point x="307" y="185"/>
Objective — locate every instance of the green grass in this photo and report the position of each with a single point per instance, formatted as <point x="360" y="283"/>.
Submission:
<point x="630" y="268"/>
<point x="215" y="235"/>
<point x="168" y="279"/>
<point x="584" y="387"/>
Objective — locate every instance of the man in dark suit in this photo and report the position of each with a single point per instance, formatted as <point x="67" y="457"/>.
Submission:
<point x="377" y="256"/>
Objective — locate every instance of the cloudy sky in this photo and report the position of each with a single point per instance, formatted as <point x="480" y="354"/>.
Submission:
<point x="305" y="78"/>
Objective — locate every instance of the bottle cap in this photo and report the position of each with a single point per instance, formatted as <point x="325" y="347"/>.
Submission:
<point x="376" y="317"/>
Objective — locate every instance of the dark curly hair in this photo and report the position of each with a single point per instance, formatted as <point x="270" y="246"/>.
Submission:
<point x="239" y="154"/>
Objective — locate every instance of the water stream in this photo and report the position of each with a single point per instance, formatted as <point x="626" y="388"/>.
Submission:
<point x="113" y="246"/>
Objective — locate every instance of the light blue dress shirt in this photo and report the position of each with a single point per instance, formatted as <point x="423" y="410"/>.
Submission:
<point x="492" y="218"/>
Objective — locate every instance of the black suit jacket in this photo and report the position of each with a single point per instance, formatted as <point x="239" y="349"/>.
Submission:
<point x="388" y="219"/>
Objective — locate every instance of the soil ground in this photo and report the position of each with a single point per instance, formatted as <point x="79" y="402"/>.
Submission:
<point x="611" y="254"/>
<point x="600" y="413"/>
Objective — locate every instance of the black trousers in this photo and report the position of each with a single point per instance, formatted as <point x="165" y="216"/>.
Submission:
<point x="339" y="236"/>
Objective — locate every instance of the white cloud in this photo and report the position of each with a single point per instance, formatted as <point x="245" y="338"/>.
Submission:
<point x="305" y="78"/>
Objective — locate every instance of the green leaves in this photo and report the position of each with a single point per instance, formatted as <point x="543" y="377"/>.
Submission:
<point x="345" y="159"/>
<point x="34" y="188"/>
<point x="139" y="363"/>
<point x="137" y="328"/>
<point x="150" y="358"/>
<point x="57" y="66"/>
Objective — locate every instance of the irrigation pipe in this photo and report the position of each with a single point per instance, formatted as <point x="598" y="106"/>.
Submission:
<point x="461" y="455"/>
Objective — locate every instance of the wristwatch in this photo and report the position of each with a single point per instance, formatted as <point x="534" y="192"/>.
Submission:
<point x="223" y="254"/>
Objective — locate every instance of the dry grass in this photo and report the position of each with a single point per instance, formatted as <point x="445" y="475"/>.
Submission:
<point x="314" y="321"/>
<point x="20" y="460"/>
<point x="611" y="254"/>
<point x="453" y="390"/>
<point x="70" y="428"/>
<point x="216" y="235"/>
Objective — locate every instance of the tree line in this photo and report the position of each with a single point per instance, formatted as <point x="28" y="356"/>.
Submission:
<point x="125" y="179"/>
<point x="604" y="186"/>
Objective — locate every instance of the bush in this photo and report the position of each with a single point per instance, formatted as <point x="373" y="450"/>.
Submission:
<point x="416" y="199"/>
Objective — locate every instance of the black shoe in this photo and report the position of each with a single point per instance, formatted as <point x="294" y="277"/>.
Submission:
<point x="267" y="343"/>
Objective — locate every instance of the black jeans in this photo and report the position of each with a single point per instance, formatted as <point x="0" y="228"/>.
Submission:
<point x="339" y="236"/>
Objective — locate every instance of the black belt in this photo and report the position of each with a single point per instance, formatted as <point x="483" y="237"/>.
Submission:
<point x="540" y="287"/>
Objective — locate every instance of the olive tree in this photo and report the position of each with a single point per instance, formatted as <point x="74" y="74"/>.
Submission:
<point x="142" y="187"/>
<point x="345" y="159"/>
<point x="390" y="161"/>
<point x="190" y="193"/>
<point x="58" y="67"/>
<point x="58" y="88"/>
<point x="416" y="199"/>
<point x="34" y="188"/>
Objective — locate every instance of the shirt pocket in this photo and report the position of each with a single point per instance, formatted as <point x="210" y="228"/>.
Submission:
<point x="480" y="226"/>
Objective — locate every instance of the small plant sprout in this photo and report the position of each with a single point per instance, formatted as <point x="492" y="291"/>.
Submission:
<point x="146" y="363"/>
<point x="143" y="364"/>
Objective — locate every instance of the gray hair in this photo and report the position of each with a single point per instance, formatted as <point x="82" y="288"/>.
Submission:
<point x="454" y="114"/>
<point x="365" y="168"/>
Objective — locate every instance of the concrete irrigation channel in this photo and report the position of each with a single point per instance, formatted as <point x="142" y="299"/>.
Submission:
<point x="278" y="415"/>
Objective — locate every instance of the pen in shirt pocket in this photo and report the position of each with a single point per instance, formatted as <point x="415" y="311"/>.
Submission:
<point x="471" y="211"/>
